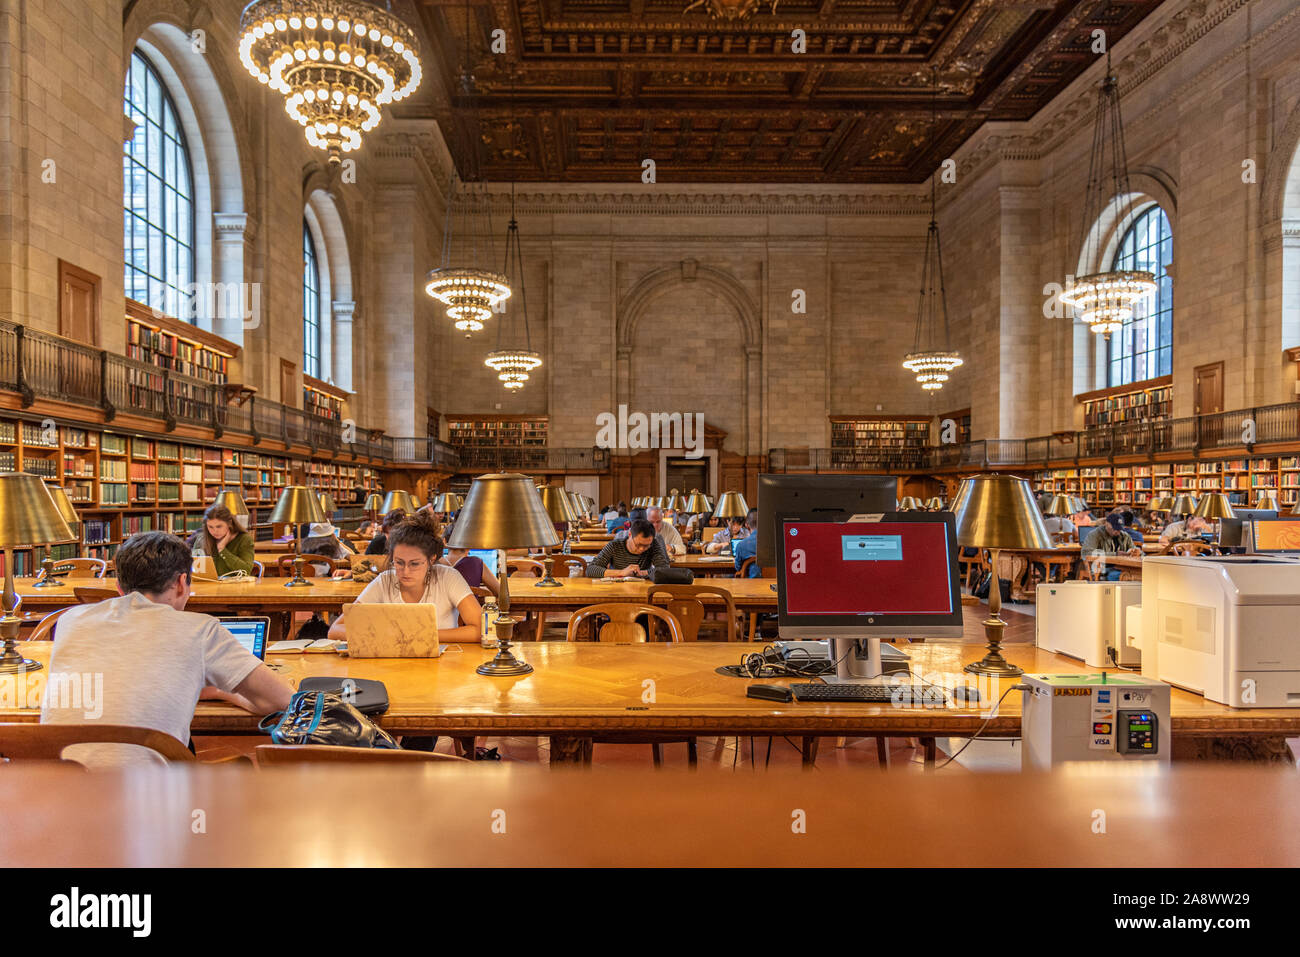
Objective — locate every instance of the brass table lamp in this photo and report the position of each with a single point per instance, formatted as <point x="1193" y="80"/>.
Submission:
<point x="398" y="498"/>
<point x="1060" y="506"/>
<point x="298" y="505"/>
<point x="69" y="515"/>
<point x="934" y="504"/>
<point x="446" y="503"/>
<point x="559" y="506"/>
<point x="503" y="510"/>
<point x="731" y="505"/>
<point x="28" y="516"/>
<point x="234" y="501"/>
<point x="1268" y="502"/>
<point x="1183" y="505"/>
<point x="909" y="503"/>
<point x="997" y="512"/>
<point x="1215" y="506"/>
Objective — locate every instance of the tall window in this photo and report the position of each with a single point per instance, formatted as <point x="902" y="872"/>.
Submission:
<point x="158" y="196"/>
<point x="1144" y="347"/>
<point x="310" y="307"/>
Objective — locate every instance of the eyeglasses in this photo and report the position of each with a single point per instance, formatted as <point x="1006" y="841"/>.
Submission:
<point x="402" y="566"/>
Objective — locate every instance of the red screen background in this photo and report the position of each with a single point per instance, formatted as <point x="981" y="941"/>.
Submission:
<point x="829" y="585"/>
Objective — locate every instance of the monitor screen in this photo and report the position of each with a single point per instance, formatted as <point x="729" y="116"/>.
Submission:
<point x="1276" y="534"/>
<point x="833" y="498"/>
<point x="895" y="576"/>
<point x="249" y="632"/>
<point x="489" y="557"/>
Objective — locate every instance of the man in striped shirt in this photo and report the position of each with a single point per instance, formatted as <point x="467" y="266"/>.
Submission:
<point x="635" y="555"/>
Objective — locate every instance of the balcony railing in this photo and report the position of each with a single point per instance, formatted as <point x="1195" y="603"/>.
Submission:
<point x="1195" y="434"/>
<point x="533" y="459"/>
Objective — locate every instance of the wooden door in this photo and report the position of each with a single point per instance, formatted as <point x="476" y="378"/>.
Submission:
<point x="1207" y="399"/>
<point x="79" y="321"/>
<point x="289" y="385"/>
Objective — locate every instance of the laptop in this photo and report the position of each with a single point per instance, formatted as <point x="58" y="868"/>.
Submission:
<point x="392" y="631"/>
<point x="249" y="632"/>
<point x="204" y="567"/>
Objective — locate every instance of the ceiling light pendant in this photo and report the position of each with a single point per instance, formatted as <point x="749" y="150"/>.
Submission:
<point x="1105" y="300"/>
<point x="513" y="366"/>
<point x="932" y="357"/>
<point x="336" y="62"/>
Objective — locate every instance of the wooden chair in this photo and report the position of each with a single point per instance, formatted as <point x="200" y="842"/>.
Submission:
<point x="79" y="567"/>
<point x="258" y="570"/>
<point x="276" y="755"/>
<point x="89" y="594"/>
<point x="45" y="742"/>
<point x="568" y="566"/>
<point x="285" y="564"/>
<point x="621" y="626"/>
<point x="1189" y="548"/>
<point x="745" y="566"/>
<point x="684" y="604"/>
<point x="622" y="623"/>
<point x="44" y="630"/>
<point x="526" y="565"/>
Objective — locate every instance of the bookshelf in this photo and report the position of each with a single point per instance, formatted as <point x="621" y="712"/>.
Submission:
<point x="1145" y="401"/>
<point x="896" y="438"/>
<point x="500" y="431"/>
<point x="322" y="398"/>
<point x="177" y="346"/>
<point x="122" y="484"/>
<point x="962" y="418"/>
<point x="1243" y="480"/>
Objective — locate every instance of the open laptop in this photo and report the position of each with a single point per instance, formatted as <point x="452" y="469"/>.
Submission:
<point x="392" y="631"/>
<point x="204" y="567"/>
<point x="489" y="557"/>
<point x="249" y="632"/>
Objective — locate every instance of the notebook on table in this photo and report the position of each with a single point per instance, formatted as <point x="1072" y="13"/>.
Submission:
<point x="392" y="631"/>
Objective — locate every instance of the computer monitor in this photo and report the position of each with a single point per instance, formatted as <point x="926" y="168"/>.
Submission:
<point x="249" y="632"/>
<point x="489" y="557"/>
<point x="1274" y="536"/>
<point x="830" y="497"/>
<point x="1232" y="530"/>
<point x="857" y="582"/>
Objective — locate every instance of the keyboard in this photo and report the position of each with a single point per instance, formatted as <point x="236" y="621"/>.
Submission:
<point x="867" y="694"/>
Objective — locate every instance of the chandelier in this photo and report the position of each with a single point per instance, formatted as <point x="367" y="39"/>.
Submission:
<point x="1105" y="300"/>
<point x="335" y="61"/>
<point x="512" y="366"/>
<point x="932" y="357"/>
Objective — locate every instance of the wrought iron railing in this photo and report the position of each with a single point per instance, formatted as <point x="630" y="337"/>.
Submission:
<point x="533" y="459"/>
<point x="1196" y="434"/>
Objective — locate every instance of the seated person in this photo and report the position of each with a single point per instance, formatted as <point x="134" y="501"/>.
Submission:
<point x="324" y="539"/>
<point x="617" y="520"/>
<point x="635" y="555"/>
<point x="415" y="576"/>
<point x="157" y="660"/>
<point x="613" y="511"/>
<point x="1190" y="529"/>
<point x="1083" y="519"/>
<point x="379" y="544"/>
<point x="747" y="547"/>
<point x="323" y="548"/>
<point x="472" y="569"/>
<point x="223" y="539"/>
<point x="734" y="531"/>
<point x="1109" y="538"/>
<point x="666" y="532"/>
<point x="1130" y="526"/>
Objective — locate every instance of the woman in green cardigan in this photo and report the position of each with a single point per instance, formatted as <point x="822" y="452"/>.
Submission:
<point x="224" y="540"/>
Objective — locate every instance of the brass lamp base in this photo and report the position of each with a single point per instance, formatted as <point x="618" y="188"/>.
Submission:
<point x="47" y="579"/>
<point x="993" y="663"/>
<point x="297" y="581"/>
<point x="11" y="662"/>
<point x="505" y="664"/>
<point x="49" y="583"/>
<point x="548" y="581"/>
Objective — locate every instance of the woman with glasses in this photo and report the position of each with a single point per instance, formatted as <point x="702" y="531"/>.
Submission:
<point x="415" y="575"/>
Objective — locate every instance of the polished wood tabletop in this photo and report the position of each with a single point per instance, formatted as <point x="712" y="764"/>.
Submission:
<point x="442" y="815"/>
<point x="321" y="593"/>
<point x="590" y="687"/>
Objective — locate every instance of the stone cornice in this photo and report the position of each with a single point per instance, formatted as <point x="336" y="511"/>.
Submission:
<point x="650" y="202"/>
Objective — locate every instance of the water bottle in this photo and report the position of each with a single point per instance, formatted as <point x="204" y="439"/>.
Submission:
<point x="567" y="549"/>
<point x="488" y="639"/>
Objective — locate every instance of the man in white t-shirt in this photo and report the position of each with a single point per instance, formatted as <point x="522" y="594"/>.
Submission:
<point x="141" y="660"/>
<point x="669" y="535"/>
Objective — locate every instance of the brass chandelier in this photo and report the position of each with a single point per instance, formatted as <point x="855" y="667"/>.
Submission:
<point x="513" y="366"/>
<point x="470" y="292"/>
<point x="335" y="61"/>
<point x="932" y="357"/>
<point x="1105" y="300"/>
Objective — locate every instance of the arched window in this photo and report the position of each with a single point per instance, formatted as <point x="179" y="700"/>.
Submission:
<point x="310" y="306"/>
<point x="158" y="196"/>
<point x="1144" y="347"/>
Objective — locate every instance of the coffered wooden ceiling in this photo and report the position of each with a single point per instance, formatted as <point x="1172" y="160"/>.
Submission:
<point x="601" y="85"/>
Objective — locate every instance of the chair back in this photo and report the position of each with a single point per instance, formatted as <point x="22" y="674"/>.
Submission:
<point x="745" y="567"/>
<point x="45" y="742"/>
<point x="285" y="563"/>
<point x="685" y="605"/>
<point x="620" y="622"/>
<point x="1189" y="548"/>
<point x="525" y="565"/>
<point x="44" y="630"/>
<point x="274" y="755"/>
<point x="89" y="594"/>
<point x="568" y="566"/>
<point x="258" y="570"/>
<point x="95" y="567"/>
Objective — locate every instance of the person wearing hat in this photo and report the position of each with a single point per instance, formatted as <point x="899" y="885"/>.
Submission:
<point x="324" y="539"/>
<point x="1109" y="538"/>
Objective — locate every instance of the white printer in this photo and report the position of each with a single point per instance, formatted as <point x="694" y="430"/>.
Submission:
<point x="1226" y="627"/>
<point x="1085" y="620"/>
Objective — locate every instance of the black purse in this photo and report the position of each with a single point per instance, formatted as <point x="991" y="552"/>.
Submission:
<point x="319" y="717"/>
<point x="672" y="576"/>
